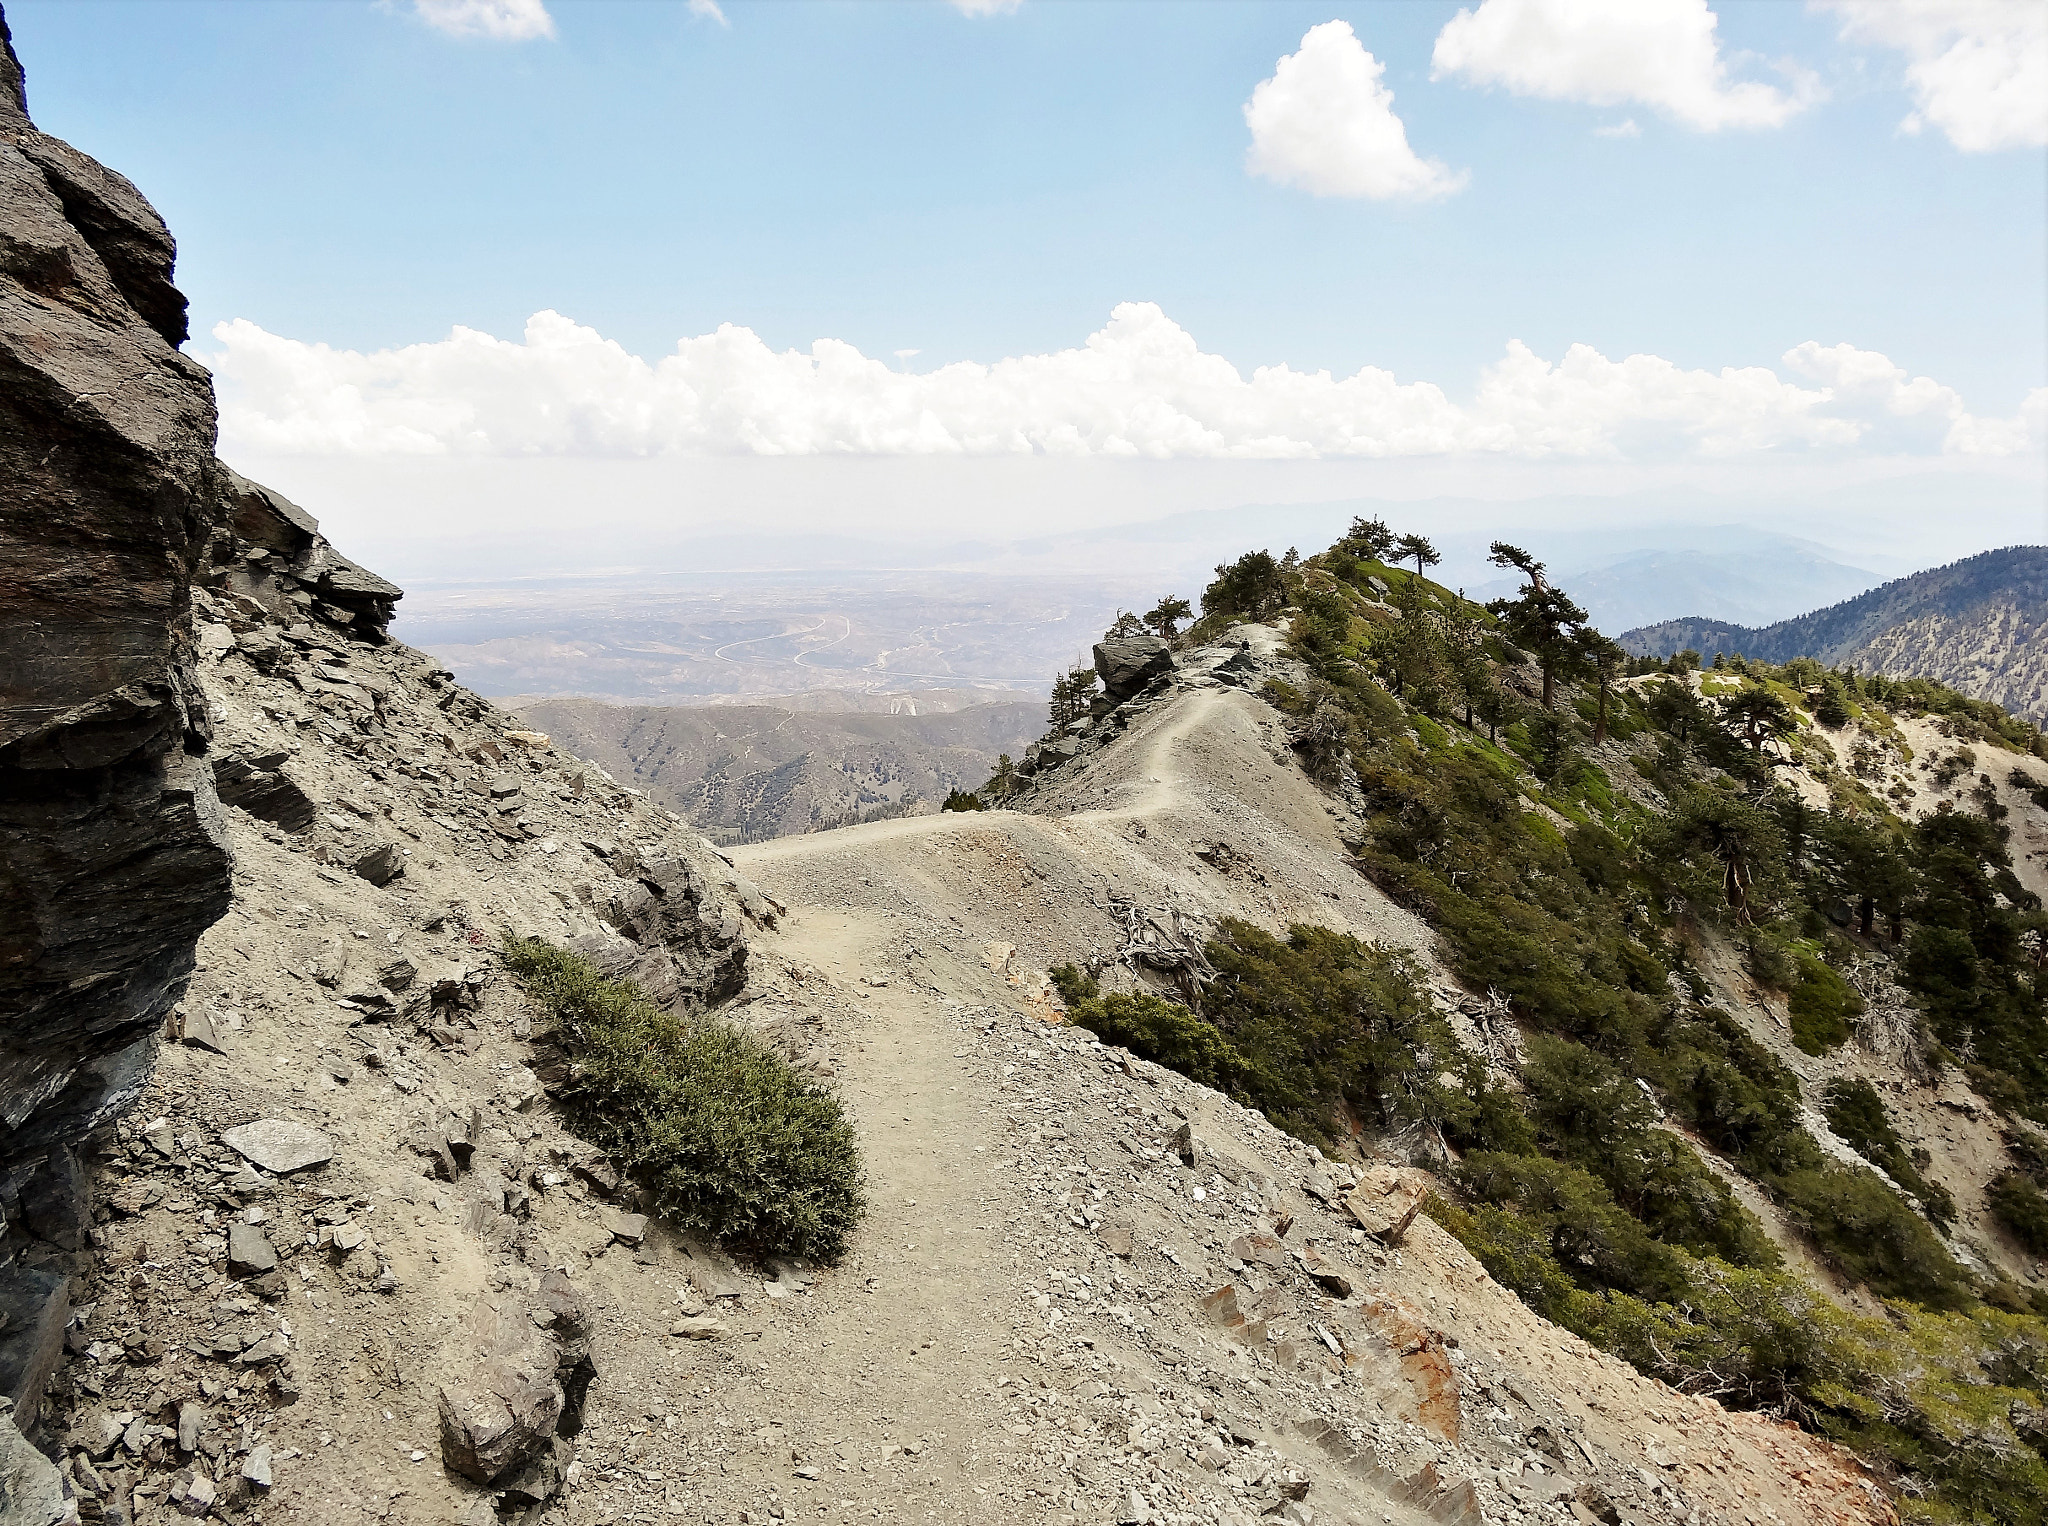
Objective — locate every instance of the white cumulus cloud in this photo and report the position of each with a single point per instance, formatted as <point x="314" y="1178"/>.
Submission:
<point x="1138" y="387"/>
<point x="1978" y="69"/>
<point x="508" y="20"/>
<point x="985" y="7"/>
<point x="1326" y="123"/>
<point x="1658" y="53"/>
<point x="708" y="10"/>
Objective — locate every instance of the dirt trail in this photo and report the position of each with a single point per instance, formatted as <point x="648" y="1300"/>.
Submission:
<point x="1069" y="1380"/>
<point x="892" y="1347"/>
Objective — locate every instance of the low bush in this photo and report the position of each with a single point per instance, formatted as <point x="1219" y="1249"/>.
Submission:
<point x="1864" y="1229"/>
<point x="1165" y="1033"/>
<point x="1822" y="1005"/>
<point x="1856" y="1113"/>
<point x="721" y="1132"/>
<point x="2018" y="1204"/>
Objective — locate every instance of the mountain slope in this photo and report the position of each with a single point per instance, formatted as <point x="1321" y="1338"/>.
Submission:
<point x="745" y="772"/>
<point x="1979" y="625"/>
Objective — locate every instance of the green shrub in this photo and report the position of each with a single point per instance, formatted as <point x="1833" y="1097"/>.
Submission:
<point x="2018" y="1204"/>
<point x="1587" y="1232"/>
<point x="1863" y="1228"/>
<point x="1856" y="1113"/>
<point x="1074" y="984"/>
<point x="1588" y="1113"/>
<point x="1327" y="1026"/>
<point x="1822" y="1005"/>
<point x="1164" y="1032"/>
<point x="962" y="800"/>
<point x="723" y="1134"/>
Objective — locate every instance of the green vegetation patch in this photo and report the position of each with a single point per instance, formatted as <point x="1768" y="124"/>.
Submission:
<point x="1823" y="1006"/>
<point x="724" y="1135"/>
<point x="1857" y="1115"/>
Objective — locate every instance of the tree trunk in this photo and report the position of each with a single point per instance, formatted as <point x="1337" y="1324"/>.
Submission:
<point x="1549" y="684"/>
<point x="1866" y="913"/>
<point x="1600" y="725"/>
<point x="1898" y="926"/>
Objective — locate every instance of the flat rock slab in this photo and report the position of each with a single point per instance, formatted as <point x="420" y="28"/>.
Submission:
<point x="278" y="1146"/>
<point x="629" y="1227"/>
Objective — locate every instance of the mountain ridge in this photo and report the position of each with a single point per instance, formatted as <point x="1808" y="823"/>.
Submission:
<point x="1979" y="625"/>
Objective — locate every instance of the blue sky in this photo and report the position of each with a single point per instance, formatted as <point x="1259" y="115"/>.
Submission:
<point x="909" y="177"/>
<point x="904" y="176"/>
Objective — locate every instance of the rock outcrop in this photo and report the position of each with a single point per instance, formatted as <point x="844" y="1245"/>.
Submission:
<point x="113" y="854"/>
<point x="1128" y="659"/>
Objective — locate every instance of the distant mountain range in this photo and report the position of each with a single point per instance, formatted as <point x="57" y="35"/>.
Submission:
<point x="1727" y="572"/>
<point x="741" y="773"/>
<point x="1979" y="625"/>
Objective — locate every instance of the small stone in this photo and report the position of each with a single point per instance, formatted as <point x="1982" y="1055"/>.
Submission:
<point x="200" y="1031"/>
<point x="1116" y="1240"/>
<point x="269" y="1349"/>
<point x="199" y="1496"/>
<point x="628" y="1228"/>
<point x="700" y="1329"/>
<point x="347" y="1236"/>
<point x="1387" y="1200"/>
<point x="382" y="864"/>
<point x="256" y="1467"/>
<point x="1335" y="1283"/>
<point x="278" y="1146"/>
<point x="191" y="1421"/>
<point x="249" y="1251"/>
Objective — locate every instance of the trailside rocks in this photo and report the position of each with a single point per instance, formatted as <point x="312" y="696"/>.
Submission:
<point x="113" y="854"/>
<point x="270" y="557"/>
<point x="261" y="783"/>
<point x="678" y="938"/>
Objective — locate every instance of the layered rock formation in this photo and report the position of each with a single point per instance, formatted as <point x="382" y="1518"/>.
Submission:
<point x="112" y="855"/>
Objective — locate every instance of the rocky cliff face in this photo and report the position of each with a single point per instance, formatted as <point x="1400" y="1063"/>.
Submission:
<point x="113" y="859"/>
<point x="113" y="852"/>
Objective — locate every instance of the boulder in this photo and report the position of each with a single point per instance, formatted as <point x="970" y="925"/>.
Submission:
<point x="32" y="1491"/>
<point x="1128" y="660"/>
<point x="113" y="855"/>
<point x="56" y="1204"/>
<point x="672" y="933"/>
<point x="501" y="1401"/>
<point x="35" y="1304"/>
<point x="1386" y="1201"/>
<point x="113" y="852"/>
<point x="382" y="864"/>
<point x="261" y="785"/>
<point x="249" y="1251"/>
